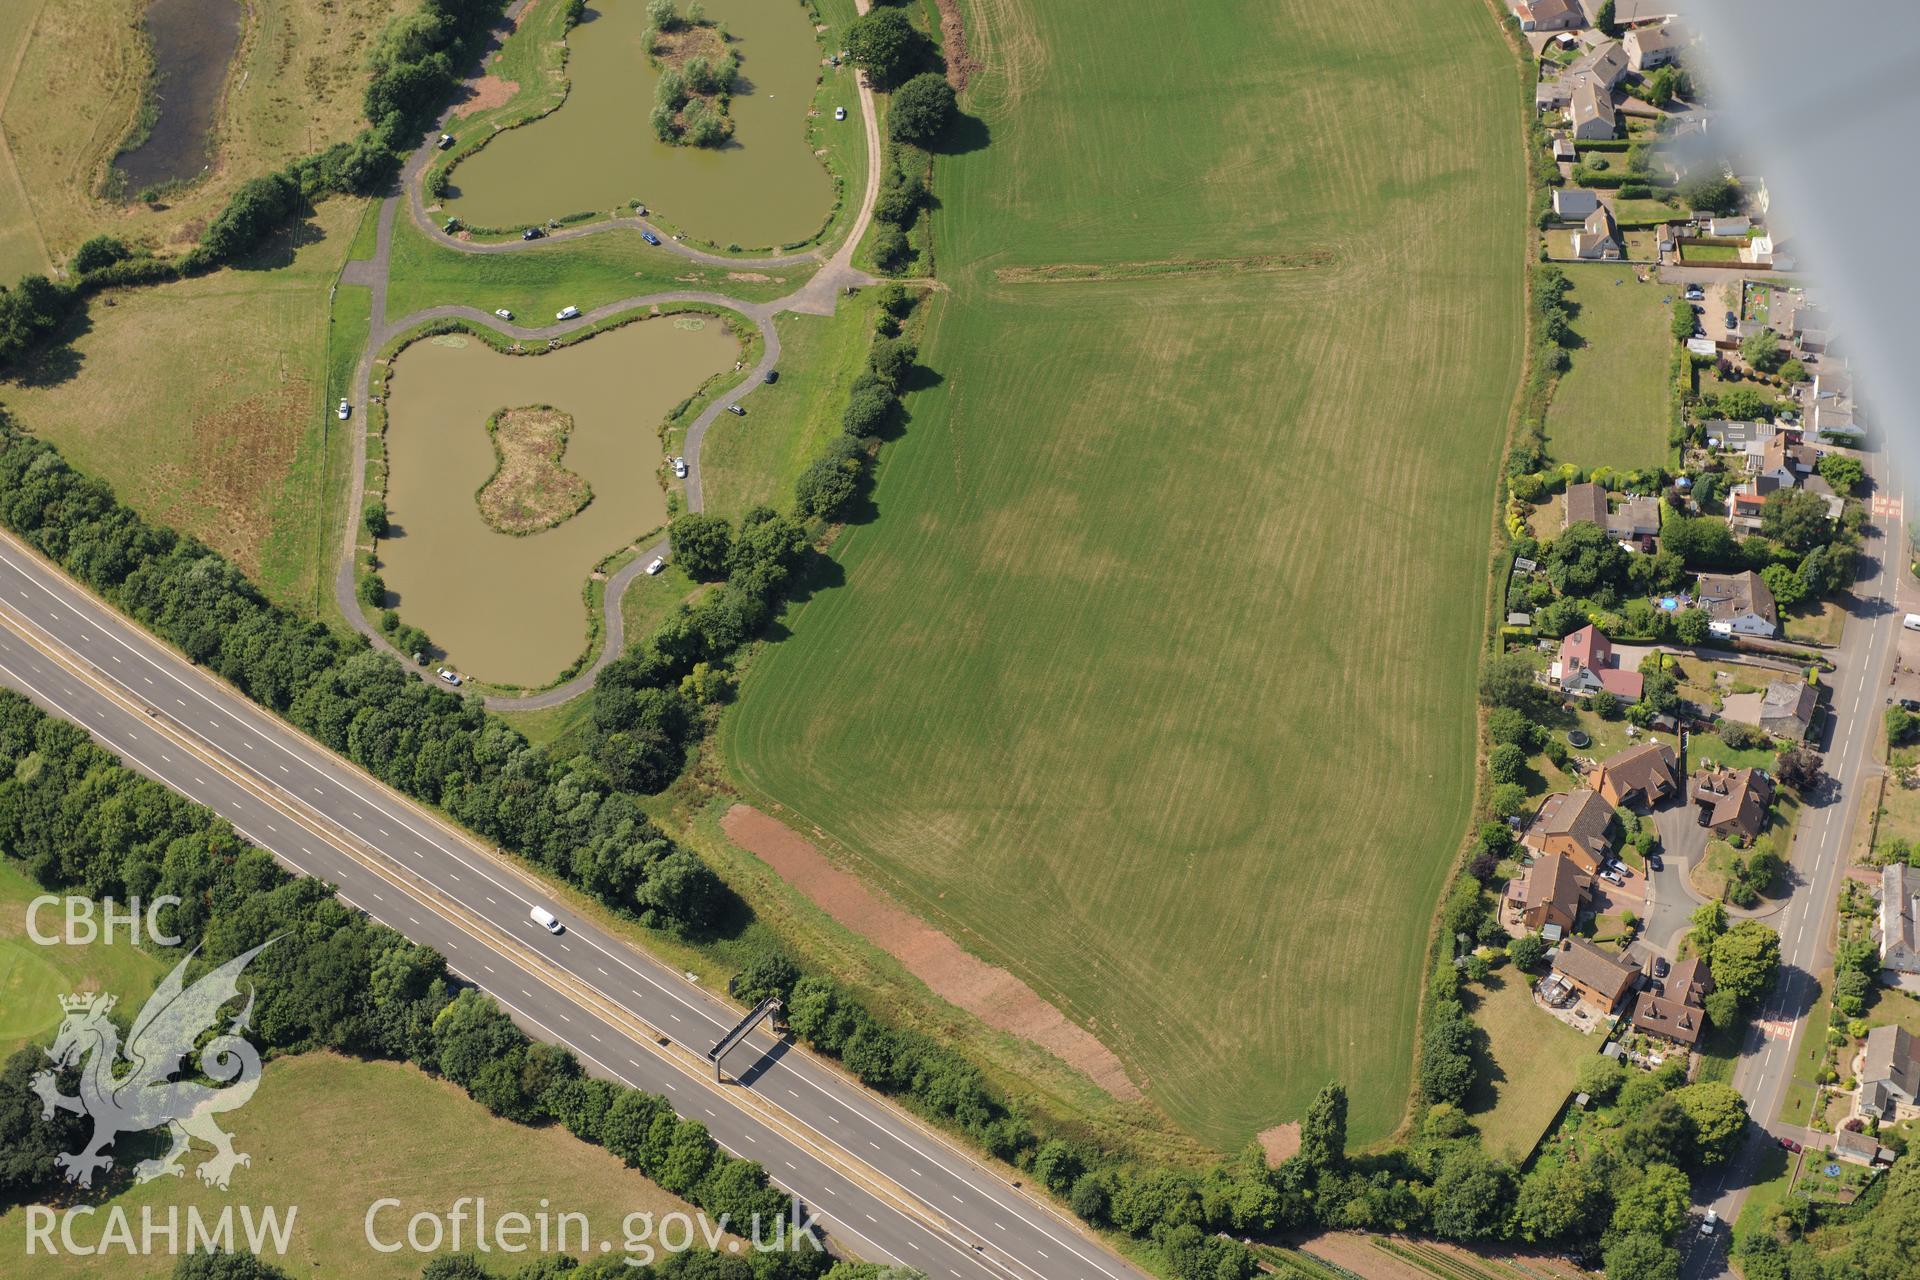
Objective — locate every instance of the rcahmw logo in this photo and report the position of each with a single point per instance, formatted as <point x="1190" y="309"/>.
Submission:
<point x="145" y="1096"/>
<point x="159" y="1229"/>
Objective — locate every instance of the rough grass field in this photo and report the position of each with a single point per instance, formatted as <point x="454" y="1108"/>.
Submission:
<point x="207" y="403"/>
<point x="1152" y="681"/>
<point x="71" y="79"/>
<point x="381" y="1129"/>
<point x="33" y="977"/>
<point x="1610" y="407"/>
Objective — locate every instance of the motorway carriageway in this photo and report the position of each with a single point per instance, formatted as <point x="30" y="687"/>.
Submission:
<point x="881" y="1183"/>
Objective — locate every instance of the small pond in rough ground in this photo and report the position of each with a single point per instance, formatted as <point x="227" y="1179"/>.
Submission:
<point x="193" y="45"/>
<point x="597" y="151"/>
<point x="509" y="609"/>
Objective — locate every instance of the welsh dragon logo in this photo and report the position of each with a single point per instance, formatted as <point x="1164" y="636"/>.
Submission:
<point x="129" y="1089"/>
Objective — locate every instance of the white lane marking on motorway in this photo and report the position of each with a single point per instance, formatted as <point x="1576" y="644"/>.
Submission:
<point x="114" y="656"/>
<point x="750" y="1138"/>
<point x="487" y="967"/>
<point x="596" y="1036"/>
<point x="411" y="920"/>
<point x="164" y="756"/>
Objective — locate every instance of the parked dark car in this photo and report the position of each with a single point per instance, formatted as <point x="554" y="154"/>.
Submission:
<point x="1910" y="704"/>
<point x="1660" y="967"/>
<point x="1733" y="321"/>
<point x="773" y="376"/>
<point x="650" y="238"/>
<point x="532" y="233"/>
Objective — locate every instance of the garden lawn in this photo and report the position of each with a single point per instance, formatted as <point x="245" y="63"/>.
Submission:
<point x="34" y="977"/>
<point x="756" y="459"/>
<point x="380" y="1130"/>
<point x="1529" y="1067"/>
<point x="208" y="403"/>
<point x="1118" y="688"/>
<point x="1610" y="408"/>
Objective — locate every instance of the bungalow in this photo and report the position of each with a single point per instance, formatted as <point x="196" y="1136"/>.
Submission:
<point x="1635" y="518"/>
<point x="1650" y="47"/>
<point x="1574" y="825"/>
<point x="1738" y="604"/>
<point x="1587" y="665"/>
<point x="1585" y="503"/>
<point x="1597" y="977"/>
<point x="1899" y="918"/>
<point x="1784" y="710"/>
<point x="1851" y="1144"/>
<point x="1574" y="204"/>
<point x="1549" y="15"/>
<point x="1550" y="896"/>
<point x="1889" y="1073"/>
<point x="1642" y="775"/>
<point x="1732" y="800"/>
<point x="1590" y="111"/>
<point x="1675" y="1008"/>
<point x="1599" y="237"/>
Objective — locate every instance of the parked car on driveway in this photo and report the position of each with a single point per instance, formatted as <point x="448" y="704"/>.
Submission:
<point x="680" y="467"/>
<point x="1660" y="967"/>
<point x="503" y="313"/>
<point x="344" y="412"/>
<point x="532" y="233"/>
<point x="446" y="140"/>
<point x="449" y="676"/>
<point x="1611" y="877"/>
<point x="650" y="238"/>
<point x="1733" y="321"/>
<point x="736" y="411"/>
<point x="566" y="313"/>
<point x="655" y="565"/>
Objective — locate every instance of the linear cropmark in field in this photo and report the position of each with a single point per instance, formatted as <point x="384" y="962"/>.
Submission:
<point x="1153" y="679"/>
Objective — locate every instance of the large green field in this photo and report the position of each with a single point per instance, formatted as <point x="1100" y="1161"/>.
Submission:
<point x="1153" y="679"/>
<point x="1610" y="407"/>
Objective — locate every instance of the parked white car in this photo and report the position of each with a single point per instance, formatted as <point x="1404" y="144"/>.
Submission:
<point x="450" y="676"/>
<point x="839" y="113"/>
<point x="344" y="412"/>
<point x="680" y="469"/>
<point x="503" y="313"/>
<point x="655" y="565"/>
<point x="566" y="313"/>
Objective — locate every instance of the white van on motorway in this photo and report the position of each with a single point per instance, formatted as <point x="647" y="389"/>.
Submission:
<point x="546" y="920"/>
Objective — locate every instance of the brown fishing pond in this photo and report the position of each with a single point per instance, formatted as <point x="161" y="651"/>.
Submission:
<point x="508" y="609"/>
<point x="763" y="188"/>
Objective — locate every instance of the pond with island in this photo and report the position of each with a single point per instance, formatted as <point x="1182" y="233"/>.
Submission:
<point x="763" y="188"/>
<point x="508" y="608"/>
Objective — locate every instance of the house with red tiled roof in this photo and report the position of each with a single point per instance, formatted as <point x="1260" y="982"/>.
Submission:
<point x="1587" y="665"/>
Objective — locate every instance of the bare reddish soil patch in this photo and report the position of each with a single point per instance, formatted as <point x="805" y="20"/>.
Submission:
<point x="991" y="994"/>
<point x="487" y="92"/>
<point x="953" y="43"/>
<point x="1281" y="1141"/>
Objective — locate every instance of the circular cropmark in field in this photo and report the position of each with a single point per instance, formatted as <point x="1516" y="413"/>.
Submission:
<point x="1181" y="791"/>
